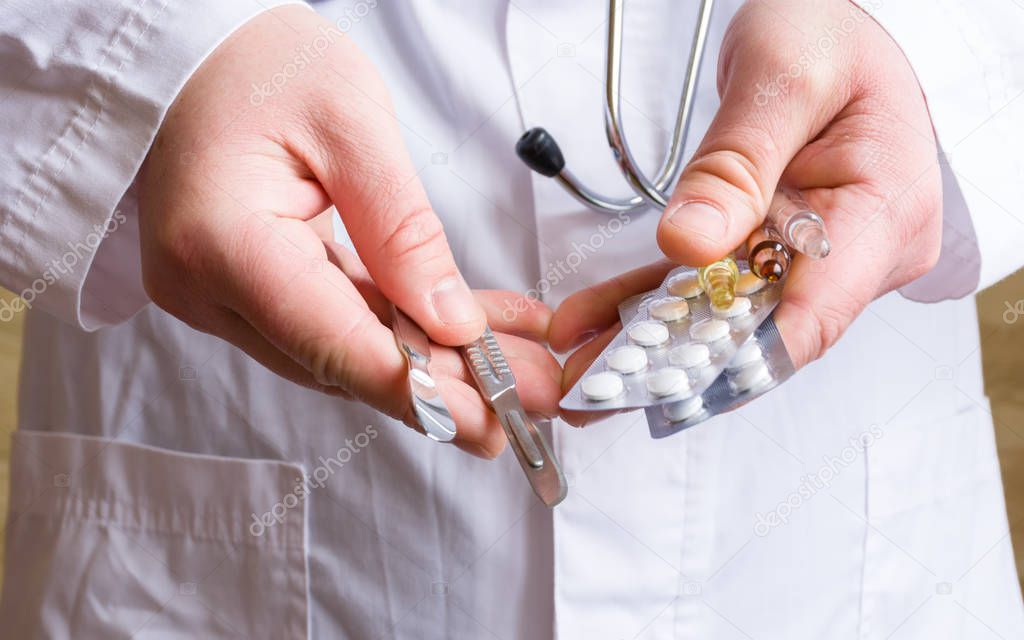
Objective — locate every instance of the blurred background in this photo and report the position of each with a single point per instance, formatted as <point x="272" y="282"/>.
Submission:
<point x="1002" y="345"/>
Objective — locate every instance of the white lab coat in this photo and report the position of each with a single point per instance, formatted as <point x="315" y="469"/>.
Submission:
<point x="860" y="500"/>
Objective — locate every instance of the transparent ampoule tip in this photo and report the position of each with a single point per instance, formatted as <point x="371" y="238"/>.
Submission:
<point x="810" y="239"/>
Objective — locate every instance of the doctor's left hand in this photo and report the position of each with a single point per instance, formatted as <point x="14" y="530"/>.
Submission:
<point x="228" y="197"/>
<point x="848" y="127"/>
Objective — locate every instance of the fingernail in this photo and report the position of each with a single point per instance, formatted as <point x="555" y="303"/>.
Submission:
<point x="700" y="219"/>
<point x="453" y="301"/>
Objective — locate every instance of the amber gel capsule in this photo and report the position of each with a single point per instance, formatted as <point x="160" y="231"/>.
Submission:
<point x="767" y="255"/>
<point x="719" y="281"/>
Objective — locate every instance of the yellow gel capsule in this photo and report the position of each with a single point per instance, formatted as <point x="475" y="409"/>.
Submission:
<point x="719" y="281"/>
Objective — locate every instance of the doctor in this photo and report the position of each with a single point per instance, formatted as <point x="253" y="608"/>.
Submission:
<point x="170" y="480"/>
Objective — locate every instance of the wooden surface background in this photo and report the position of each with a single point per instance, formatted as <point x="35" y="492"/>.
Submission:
<point x="1002" y="355"/>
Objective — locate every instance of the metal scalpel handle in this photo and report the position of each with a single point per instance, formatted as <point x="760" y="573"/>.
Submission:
<point x="498" y="386"/>
<point x="427" y="403"/>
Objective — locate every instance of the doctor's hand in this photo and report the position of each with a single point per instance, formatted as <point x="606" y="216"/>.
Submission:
<point x="228" y="197"/>
<point x="817" y="95"/>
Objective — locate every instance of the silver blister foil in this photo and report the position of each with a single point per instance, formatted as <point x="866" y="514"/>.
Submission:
<point x="637" y="312"/>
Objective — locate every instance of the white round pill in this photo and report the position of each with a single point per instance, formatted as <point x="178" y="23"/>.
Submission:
<point x="749" y="353"/>
<point x="602" y="386"/>
<point x="670" y="309"/>
<point x="626" y="359"/>
<point x="667" y="382"/>
<point x="740" y="307"/>
<point x="685" y="287"/>
<point x="751" y="377"/>
<point x="748" y="283"/>
<point x="710" y="330"/>
<point x="690" y="356"/>
<point x="648" y="334"/>
<point x="684" y="409"/>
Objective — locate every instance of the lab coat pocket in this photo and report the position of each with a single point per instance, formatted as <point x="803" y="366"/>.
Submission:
<point x="107" y="539"/>
<point x="934" y="509"/>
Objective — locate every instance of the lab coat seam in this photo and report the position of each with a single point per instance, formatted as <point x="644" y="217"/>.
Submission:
<point x="394" y="615"/>
<point x="82" y="167"/>
<point x="678" y="615"/>
<point x="685" y="613"/>
<point x="193" y="511"/>
<point x="297" y="623"/>
<point x="298" y="584"/>
<point x="439" y="535"/>
<point x="59" y="509"/>
<point x="95" y="99"/>
<point x="307" y="613"/>
<point x="862" y="627"/>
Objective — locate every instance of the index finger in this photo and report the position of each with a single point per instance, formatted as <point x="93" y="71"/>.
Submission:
<point x="357" y="153"/>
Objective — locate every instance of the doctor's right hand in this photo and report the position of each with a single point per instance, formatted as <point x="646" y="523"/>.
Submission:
<point x="850" y="129"/>
<point x="228" y="197"/>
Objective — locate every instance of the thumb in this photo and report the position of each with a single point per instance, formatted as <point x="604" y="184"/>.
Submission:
<point x="369" y="176"/>
<point x="725" y="190"/>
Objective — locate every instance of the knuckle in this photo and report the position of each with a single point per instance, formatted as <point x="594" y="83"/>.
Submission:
<point x="736" y="170"/>
<point x="327" y="357"/>
<point x="328" y="366"/>
<point x="786" y="63"/>
<point x="417" y="236"/>
<point x="168" y="264"/>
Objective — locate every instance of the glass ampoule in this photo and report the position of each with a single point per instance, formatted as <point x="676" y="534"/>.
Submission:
<point x="767" y="254"/>
<point x="798" y="225"/>
<point x="719" y="281"/>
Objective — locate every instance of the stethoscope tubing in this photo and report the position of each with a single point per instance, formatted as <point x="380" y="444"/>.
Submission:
<point x="540" y="151"/>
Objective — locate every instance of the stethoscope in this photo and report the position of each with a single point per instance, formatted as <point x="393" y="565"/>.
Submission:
<point x="539" y="150"/>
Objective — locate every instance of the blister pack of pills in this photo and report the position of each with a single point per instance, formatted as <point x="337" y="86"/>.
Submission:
<point x="674" y="346"/>
<point x="760" y="364"/>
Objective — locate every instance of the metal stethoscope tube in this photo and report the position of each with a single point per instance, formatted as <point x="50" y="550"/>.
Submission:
<point x="539" y="150"/>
